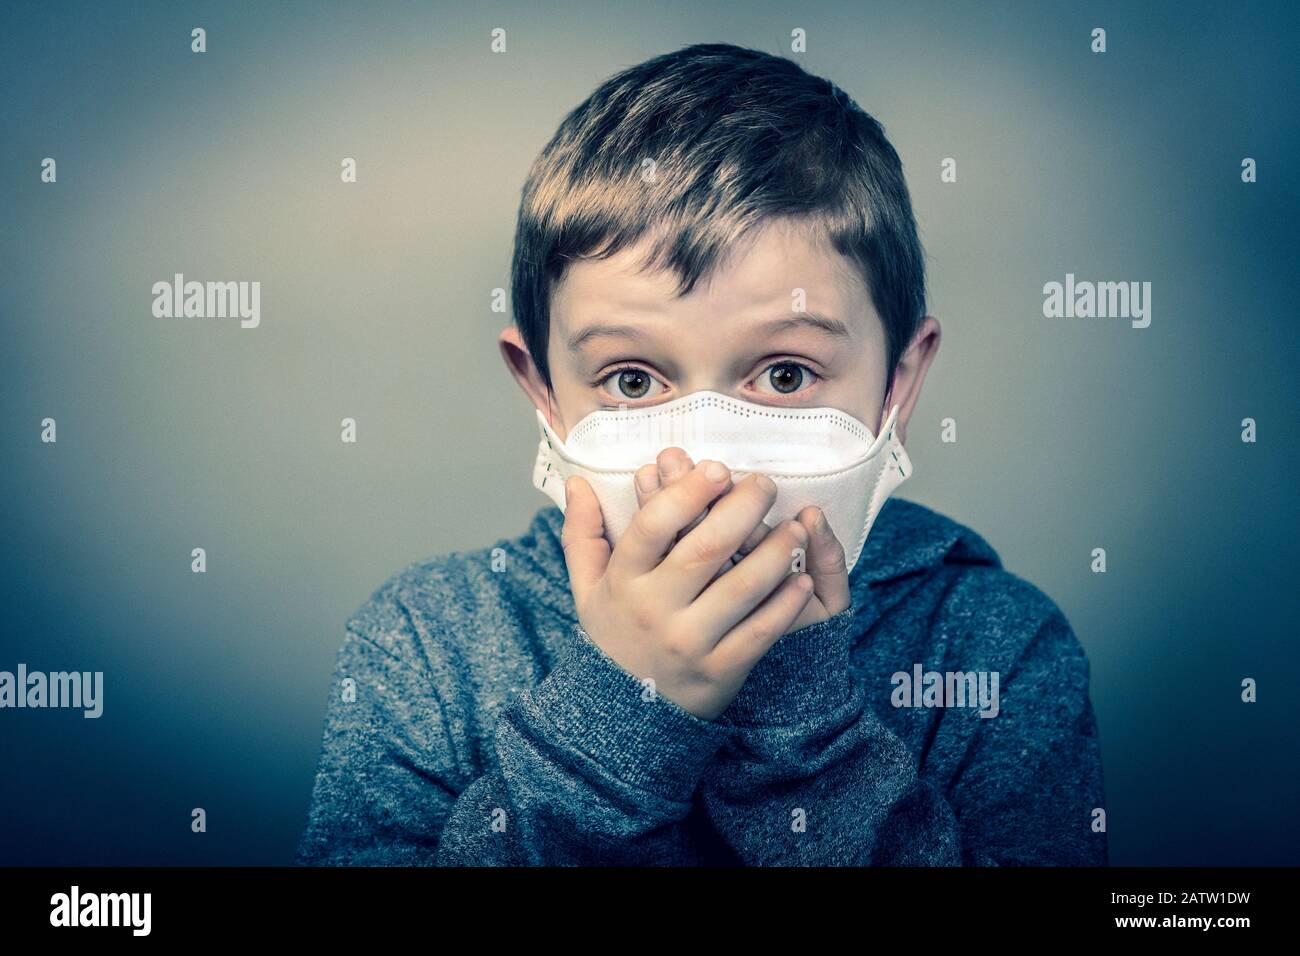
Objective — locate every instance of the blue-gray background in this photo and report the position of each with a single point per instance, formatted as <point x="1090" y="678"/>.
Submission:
<point x="175" y="434"/>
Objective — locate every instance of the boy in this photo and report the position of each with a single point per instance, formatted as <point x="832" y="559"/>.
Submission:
<point x="688" y="695"/>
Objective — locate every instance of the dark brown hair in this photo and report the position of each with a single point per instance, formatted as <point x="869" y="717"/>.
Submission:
<point x="737" y="137"/>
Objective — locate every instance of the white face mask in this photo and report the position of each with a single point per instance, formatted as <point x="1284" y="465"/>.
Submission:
<point x="815" y="456"/>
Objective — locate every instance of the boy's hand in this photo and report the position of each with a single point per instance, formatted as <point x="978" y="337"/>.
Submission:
<point x="825" y="556"/>
<point x="653" y="604"/>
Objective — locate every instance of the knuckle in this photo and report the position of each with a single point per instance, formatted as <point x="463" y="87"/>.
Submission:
<point x="568" y="542"/>
<point x="832" y="560"/>
<point x="677" y="647"/>
<point x="706" y="549"/>
<point x="705" y="471"/>
<point x="750" y="633"/>
<point x="646" y="475"/>
<point x="764" y="486"/>
<point x="709" y="674"/>
<point x="682" y="496"/>
<point x="643" y="619"/>
<point x="743" y="580"/>
<point x="792" y="536"/>
<point x="644" y="524"/>
<point x="643" y="615"/>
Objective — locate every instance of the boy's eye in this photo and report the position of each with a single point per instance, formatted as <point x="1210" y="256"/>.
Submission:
<point x="784" y="378"/>
<point x="631" y="383"/>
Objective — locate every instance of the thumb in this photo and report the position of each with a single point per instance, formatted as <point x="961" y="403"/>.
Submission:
<point x="586" y="552"/>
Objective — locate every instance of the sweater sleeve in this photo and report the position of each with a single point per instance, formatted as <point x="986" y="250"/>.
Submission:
<point x="588" y="769"/>
<point x="814" y="777"/>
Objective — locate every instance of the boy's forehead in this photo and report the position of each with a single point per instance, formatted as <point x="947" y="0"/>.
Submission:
<point x="777" y="269"/>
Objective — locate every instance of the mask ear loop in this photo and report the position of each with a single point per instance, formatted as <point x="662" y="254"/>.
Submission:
<point x="550" y="414"/>
<point x="886" y="409"/>
<point x="550" y="409"/>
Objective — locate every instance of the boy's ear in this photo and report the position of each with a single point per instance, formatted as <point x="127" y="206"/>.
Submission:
<point x="909" y="376"/>
<point x="524" y="369"/>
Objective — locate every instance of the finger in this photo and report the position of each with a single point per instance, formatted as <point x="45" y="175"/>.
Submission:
<point x="669" y="465"/>
<point x="654" y="528"/>
<point x="672" y="464"/>
<point x="693" y="561"/>
<point x="729" y="599"/>
<point x="742" y="647"/>
<point x="586" y="552"/>
<point x="752" y="542"/>
<point x="646" y="480"/>
<point x="826" y="561"/>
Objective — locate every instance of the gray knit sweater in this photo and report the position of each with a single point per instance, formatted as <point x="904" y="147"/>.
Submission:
<point x="471" y="721"/>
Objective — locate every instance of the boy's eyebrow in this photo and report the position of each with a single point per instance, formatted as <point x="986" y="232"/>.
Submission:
<point x="596" y="331"/>
<point x="824" y="323"/>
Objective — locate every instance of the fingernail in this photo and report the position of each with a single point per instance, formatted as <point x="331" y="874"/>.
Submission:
<point x="715" y="471"/>
<point x="766" y="483"/>
<point x="803" y="582"/>
<point x="645" y="482"/>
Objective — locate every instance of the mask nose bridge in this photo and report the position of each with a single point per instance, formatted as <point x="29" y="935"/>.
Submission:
<point x="710" y="416"/>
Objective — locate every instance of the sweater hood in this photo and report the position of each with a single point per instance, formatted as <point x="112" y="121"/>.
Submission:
<point x="908" y="537"/>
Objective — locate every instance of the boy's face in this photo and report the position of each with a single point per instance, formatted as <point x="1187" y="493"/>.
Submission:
<point x="620" y="336"/>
